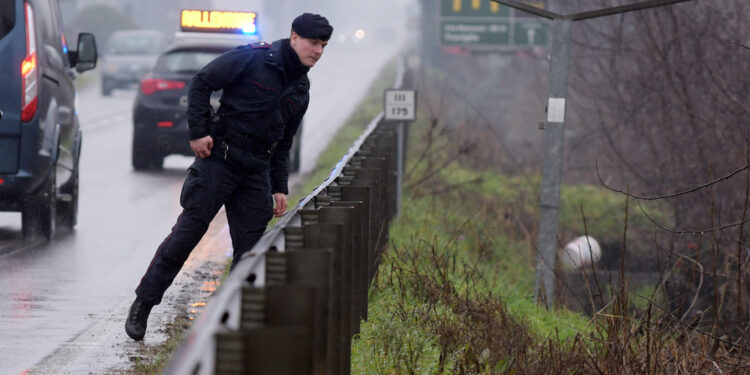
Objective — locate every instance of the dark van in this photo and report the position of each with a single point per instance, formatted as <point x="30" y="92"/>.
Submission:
<point x="40" y="138"/>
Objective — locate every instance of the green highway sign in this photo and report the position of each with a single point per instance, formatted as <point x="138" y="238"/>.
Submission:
<point x="475" y="33"/>
<point x="485" y="23"/>
<point x="529" y="33"/>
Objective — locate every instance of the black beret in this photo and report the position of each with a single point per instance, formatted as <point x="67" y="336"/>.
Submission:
<point x="312" y="26"/>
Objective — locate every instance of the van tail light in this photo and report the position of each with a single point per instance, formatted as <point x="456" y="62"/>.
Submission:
<point x="29" y="70"/>
<point x="152" y="85"/>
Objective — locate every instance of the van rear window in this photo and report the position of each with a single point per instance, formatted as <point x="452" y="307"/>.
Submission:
<point x="7" y="16"/>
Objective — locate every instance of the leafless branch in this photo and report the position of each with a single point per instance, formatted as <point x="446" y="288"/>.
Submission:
<point x="701" y="231"/>
<point x="684" y="192"/>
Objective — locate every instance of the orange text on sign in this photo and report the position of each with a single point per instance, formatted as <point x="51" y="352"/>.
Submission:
<point x="215" y="19"/>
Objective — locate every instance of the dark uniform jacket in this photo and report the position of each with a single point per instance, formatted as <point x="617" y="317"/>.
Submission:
<point x="258" y="101"/>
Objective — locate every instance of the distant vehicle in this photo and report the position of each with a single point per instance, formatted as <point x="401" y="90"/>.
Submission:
<point x="159" y="113"/>
<point x="40" y="137"/>
<point x="128" y="55"/>
<point x="352" y="36"/>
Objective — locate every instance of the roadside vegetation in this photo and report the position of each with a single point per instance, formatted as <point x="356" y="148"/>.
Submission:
<point x="656" y="169"/>
<point x="154" y="359"/>
<point x="454" y="291"/>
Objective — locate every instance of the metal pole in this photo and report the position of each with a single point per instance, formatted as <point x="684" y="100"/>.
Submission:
<point x="554" y="133"/>
<point x="399" y="165"/>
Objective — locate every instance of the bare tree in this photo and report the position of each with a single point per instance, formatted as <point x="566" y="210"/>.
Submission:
<point x="659" y="101"/>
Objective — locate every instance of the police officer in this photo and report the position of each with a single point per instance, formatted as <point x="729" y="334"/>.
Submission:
<point x="241" y="152"/>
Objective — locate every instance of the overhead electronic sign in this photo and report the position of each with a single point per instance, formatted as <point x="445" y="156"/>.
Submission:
<point x="485" y="23"/>
<point x="218" y="21"/>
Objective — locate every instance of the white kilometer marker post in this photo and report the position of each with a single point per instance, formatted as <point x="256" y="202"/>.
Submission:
<point x="400" y="106"/>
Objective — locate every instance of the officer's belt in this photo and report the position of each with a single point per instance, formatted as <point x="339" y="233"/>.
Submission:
<point x="236" y="139"/>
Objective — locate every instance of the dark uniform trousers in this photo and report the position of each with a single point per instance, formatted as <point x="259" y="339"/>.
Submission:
<point x="211" y="183"/>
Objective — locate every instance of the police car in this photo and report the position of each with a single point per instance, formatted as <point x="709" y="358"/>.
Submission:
<point x="160" y="111"/>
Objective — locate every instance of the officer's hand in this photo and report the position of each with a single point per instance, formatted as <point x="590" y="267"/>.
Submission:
<point x="202" y="146"/>
<point x="279" y="204"/>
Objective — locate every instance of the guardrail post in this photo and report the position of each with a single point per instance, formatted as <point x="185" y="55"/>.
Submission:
<point x="381" y="164"/>
<point x="229" y="353"/>
<point x="322" y="201"/>
<point x="331" y="236"/>
<point x="231" y="344"/>
<point x="309" y="266"/>
<point x="275" y="268"/>
<point x="372" y="178"/>
<point x="358" y="263"/>
<point x="275" y="335"/>
<point x="313" y="267"/>
<point x="284" y="345"/>
<point x="343" y="216"/>
<point x="362" y="194"/>
<point x="294" y="237"/>
<point x="253" y="309"/>
<point x="385" y="146"/>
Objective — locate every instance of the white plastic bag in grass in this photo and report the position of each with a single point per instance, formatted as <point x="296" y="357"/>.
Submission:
<point x="578" y="253"/>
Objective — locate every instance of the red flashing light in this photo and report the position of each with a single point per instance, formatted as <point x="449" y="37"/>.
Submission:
<point x="29" y="70"/>
<point x="28" y="64"/>
<point x="165" y="124"/>
<point x="2" y="181"/>
<point x="152" y="85"/>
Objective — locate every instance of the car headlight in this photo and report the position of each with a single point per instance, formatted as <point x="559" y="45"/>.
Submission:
<point x="359" y="34"/>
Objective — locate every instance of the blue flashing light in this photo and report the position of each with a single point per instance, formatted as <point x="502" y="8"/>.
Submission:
<point x="249" y="28"/>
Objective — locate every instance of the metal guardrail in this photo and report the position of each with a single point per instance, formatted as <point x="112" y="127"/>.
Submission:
<point x="294" y="302"/>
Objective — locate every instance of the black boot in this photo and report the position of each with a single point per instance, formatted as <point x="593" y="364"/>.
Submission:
<point x="135" y="325"/>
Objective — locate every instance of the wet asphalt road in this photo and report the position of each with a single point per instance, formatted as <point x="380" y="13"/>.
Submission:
<point x="63" y="302"/>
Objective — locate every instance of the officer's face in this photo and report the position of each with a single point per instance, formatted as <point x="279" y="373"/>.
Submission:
<point x="308" y="50"/>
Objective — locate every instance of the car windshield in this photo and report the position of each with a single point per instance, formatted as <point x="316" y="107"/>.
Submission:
<point x="135" y="45"/>
<point x="186" y="61"/>
<point x="7" y="16"/>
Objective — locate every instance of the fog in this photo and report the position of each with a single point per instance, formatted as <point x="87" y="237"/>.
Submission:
<point x="381" y="20"/>
<point x="375" y="17"/>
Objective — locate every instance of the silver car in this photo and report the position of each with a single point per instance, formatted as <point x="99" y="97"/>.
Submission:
<point x="128" y="55"/>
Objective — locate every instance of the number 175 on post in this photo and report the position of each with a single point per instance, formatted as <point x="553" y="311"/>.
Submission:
<point x="400" y="105"/>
